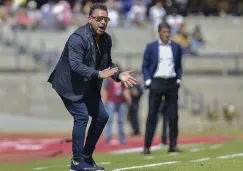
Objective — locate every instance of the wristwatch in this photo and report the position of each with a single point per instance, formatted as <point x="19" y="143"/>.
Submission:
<point x="99" y="74"/>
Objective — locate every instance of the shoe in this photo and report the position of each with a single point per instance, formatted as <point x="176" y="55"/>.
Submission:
<point x="135" y="134"/>
<point x="91" y="162"/>
<point x="82" y="166"/>
<point x="174" y="150"/>
<point x="145" y="151"/>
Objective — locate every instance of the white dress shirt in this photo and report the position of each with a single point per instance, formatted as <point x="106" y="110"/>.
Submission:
<point x="165" y="67"/>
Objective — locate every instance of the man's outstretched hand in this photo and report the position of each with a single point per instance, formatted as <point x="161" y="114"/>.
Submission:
<point x="127" y="79"/>
<point x="108" y="72"/>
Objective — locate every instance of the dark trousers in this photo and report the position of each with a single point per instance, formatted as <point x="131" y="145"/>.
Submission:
<point x="133" y="117"/>
<point x="169" y="89"/>
<point x="165" y="123"/>
<point x="164" y="129"/>
<point x="89" y="105"/>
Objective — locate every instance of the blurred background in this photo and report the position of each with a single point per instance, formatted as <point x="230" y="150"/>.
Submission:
<point x="33" y="34"/>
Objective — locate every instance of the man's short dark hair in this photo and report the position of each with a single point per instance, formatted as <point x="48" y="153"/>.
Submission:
<point x="163" y="25"/>
<point x="97" y="6"/>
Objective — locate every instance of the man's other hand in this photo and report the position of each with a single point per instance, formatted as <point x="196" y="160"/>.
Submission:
<point x="127" y="79"/>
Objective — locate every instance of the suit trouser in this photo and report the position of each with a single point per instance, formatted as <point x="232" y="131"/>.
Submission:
<point x="89" y="105"/>
<point x="169" y="89"/>
<point x="165" y="123"/>
<point x="164" y="129"/>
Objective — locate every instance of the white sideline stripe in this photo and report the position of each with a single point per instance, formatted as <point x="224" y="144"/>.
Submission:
<point x="148" y="165"/>
<point x="173" y="162"/>
<point x="41" y="168"/>
<point x="156" y="164"/>
<point x="212" y="147"/>
<point x="149" y="157"/>
<point x="194" y="150"/>
<point x="216" y="146"/>
<point x="156" y="147"/>
<point x="201" y="159"/>
<point x="44" y="168"/>
<point x="132" y="150"/>
<point x="104" y="163"/>
<point x="230" y="156"/>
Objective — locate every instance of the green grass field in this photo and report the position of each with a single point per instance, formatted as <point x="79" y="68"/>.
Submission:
<point x="219" y="157"/>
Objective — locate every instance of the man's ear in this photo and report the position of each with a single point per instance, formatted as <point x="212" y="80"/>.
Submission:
<point x="89" y="20"/>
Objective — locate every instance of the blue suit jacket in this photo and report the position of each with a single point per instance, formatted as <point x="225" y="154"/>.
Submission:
<point x="151" y="59"/>
<point x="76" y="66"/>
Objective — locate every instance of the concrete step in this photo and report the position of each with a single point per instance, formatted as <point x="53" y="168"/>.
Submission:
<point x="16" y="61"/>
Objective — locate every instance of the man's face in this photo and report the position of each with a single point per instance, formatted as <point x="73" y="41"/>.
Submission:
<point x="164" y="34"/>
<point x="98" y="21"/>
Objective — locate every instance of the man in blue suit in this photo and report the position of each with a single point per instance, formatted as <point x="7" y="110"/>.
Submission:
<point x="162" y="72"/>
<point x="77" y="78"/>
